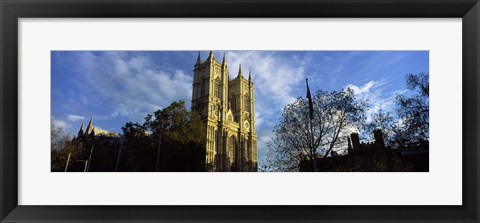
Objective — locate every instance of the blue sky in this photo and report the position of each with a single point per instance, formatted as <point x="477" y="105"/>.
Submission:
<point x="115" y="87"/>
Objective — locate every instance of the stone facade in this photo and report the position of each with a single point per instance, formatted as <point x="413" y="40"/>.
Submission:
<point x="227" y="109"/>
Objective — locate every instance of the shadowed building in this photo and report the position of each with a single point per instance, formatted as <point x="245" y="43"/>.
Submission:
<point x="89" y="137"/>
<point x="91" y="132"/>
<point x="95" y="143"/>
<point x="374" y="157"/>
<point x="227" y="109"/>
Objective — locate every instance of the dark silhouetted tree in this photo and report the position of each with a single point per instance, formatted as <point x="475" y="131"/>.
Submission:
<point x="386" y="123"/>
<point x="336" y="114"/>
<point x="413" y="111"/>
<point x="104" y="153"/>
<point x="137" y="152"/>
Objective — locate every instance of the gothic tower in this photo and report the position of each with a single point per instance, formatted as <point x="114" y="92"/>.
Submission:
<point x="227" y="109"/>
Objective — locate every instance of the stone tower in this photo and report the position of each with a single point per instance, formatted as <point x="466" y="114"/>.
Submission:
<point x="227" y="109"/>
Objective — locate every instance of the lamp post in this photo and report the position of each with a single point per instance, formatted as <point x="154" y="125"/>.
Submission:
<point x="68" y="160"/>
<point x="89" y="161"/>
<point x="86" y="164"/>
<point x="160" y="133"/>
<point x="119" y="152"/>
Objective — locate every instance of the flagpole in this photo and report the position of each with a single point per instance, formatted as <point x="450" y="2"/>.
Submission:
<point x="314" y="157"/>
<point x="310" y="105"/>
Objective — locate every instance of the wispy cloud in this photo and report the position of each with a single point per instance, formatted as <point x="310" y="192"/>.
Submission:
<point x="128" y="84"/>
<point x="60" y="124"/>
<point x="75" y="118"/>
<point x="366" y="88"/>
<point x="375" y="93"/>
<point x="275" y="79"/>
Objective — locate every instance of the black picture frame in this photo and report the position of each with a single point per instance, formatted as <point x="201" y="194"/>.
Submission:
<point x="11" y="11"/>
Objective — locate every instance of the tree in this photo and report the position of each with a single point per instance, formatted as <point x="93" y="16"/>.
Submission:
<point x="409" y="125"/>
<point x="386" y="123"/>
<point x="182" y="135"/>
<point x="58" y="138"/>
<point x="137" y="151"/>
<point x="336" y="114"/>
<point x="104" y="149"/>
<point x="413" y="111"/>
<point x="61" y="148"/>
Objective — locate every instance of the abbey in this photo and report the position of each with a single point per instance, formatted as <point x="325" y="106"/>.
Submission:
<point x="227" y="109"/>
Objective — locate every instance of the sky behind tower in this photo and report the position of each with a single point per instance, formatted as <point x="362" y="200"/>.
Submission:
<point x="115" y="87"/>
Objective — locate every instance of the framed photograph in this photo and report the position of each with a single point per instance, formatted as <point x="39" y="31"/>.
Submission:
<point x="225" y="111"/>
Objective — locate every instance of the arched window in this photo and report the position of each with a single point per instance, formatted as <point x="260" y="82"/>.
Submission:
<point x="246" y="103"/>
<point x="219" y="113"/>
<point x="234" y="103"/>
<point x="231" y="148"/>
<point x="216" y="87"/>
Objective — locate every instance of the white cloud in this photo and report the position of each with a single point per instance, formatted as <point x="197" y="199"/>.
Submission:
<point x="60" y="124"/>
<point x="373" y="91"/>
<point x="365" y="89"/>
<point x="124" y="85"/>
<point x="274" y="78"/>
<point x="75" y="118"/>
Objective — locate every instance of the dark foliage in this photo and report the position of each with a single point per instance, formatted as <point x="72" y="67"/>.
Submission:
<point x="180" y="132"/>
<point x="413" y="109"/>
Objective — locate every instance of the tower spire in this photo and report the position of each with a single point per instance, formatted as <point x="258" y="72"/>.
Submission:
<point x="249" y="75"/>
<point x="80" y="132"/>
<point x="210" y="55"/>
<point x="198" y="58"/>
<point x="90" y="126"/>
<point x="224" y="62"/>
<point x="240" y="70"/>
<point x="81" y="127"/>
